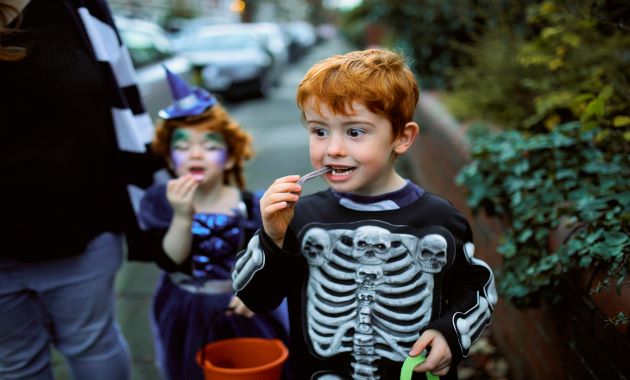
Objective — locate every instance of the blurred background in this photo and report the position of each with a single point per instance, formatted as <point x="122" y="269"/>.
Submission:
<point x="525" y="117"/>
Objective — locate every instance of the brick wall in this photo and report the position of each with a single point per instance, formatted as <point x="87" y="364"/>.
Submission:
<point x="571" y="340"/>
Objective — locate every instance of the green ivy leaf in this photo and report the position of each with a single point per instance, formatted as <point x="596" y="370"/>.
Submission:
<point x="595" y="109"/>
<point x="585" y="261"/>
<point x="616" y="238"/>
<point x="525" y="234"/>
<point x="536" y="180"/>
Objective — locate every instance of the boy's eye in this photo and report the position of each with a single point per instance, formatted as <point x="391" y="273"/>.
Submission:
<point x="321" y="132"/>
<point x="355" y="132"/>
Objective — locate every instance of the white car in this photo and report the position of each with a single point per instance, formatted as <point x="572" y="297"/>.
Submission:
<point x="232" y="61"/>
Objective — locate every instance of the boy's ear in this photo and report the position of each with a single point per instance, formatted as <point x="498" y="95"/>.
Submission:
<point x="406" y="138"/>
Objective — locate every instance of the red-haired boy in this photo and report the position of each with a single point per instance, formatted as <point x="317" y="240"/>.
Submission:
<point x="374" y="268"/>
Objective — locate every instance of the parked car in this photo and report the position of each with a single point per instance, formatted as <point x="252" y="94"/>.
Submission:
<point x="275" y="41"/>
<point x="185" y="25"/>
<point x="232" y="61"/>
<point x="270" y="36"/>
<point x="302" y="37"/>
<point x="150" y="50"/>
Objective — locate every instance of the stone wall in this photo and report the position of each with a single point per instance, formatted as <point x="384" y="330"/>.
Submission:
<point x="570" y="340"/>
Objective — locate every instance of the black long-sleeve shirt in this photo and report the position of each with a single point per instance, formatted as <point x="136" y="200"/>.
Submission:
<point x="363" y="285"/>
<point x="64" y="179"/>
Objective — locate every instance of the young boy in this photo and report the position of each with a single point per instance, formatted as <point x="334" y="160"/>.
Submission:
<point x="375" y="269"/>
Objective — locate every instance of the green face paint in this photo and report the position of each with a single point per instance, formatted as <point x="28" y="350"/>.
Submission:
<point x="182" y="139"/>
<point x="179" y="134"/>
<point x="214" y="137"/>
<point x="197" y="152"/>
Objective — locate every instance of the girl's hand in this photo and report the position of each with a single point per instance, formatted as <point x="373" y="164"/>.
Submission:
<point x="276" y="207"/>
<point x="179" y="193"/>
<point x="439" y="359"/>
<point x="236" y="306"/>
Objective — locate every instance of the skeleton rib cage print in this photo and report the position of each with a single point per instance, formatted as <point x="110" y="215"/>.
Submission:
<point x="370" y="291"/>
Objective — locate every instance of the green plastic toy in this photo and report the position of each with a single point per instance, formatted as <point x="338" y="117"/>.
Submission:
<point x="408" y="366"/>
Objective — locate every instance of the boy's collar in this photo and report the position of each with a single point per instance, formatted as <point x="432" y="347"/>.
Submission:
<point x="402" y="197"/>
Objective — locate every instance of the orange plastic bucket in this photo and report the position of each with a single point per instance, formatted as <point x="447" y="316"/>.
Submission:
<point x="243" y="359"/>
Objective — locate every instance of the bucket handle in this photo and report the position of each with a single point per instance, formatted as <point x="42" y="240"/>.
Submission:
<point x="410" y="363"/>
<point x="204" y="339"/>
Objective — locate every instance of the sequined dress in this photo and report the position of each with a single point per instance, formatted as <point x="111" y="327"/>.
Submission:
<point x="189" y="304"/>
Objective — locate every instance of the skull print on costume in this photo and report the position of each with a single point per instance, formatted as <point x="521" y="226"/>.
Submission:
<point x="361" y="293"/>
<point x="368" y="293"/>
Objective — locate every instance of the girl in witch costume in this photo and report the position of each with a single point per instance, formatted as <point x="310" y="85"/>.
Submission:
<point x="199" y="221"/>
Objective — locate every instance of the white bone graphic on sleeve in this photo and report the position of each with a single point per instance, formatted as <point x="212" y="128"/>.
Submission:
<point x="470" y="326"/>
<point x="248" y="264"/>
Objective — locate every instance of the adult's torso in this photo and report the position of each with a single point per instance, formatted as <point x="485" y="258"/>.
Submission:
<point x="59" y="163"/>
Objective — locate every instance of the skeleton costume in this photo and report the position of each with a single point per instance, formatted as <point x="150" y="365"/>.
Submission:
<point x="363" y="281"/>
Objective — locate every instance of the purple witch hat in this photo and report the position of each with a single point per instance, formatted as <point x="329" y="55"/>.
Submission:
<point x="187" y="100"/>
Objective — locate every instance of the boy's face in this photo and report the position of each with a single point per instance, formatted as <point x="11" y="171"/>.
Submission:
<point x="360" y="148"/>
<point x="203" y="154"/>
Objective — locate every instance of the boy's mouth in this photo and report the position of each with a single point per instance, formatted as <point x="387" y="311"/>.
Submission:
<point x="341" y="170"/>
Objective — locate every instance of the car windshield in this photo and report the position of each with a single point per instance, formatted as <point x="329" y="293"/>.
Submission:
<point x="218" y="42"/>
<point x="145" y="47"/>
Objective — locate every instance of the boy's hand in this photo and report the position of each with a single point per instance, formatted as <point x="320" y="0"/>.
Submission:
<point x="179" y="193"/>
<point x="439" y="359"/>
<point x="236" y="306"/>
<point x="275" y="207"/>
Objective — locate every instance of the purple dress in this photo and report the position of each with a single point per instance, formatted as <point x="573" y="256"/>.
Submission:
<point x="189" y="303"/>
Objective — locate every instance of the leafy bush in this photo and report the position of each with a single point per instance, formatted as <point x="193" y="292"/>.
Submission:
<point x="574" y="68"/>
<point x="553" y="75"/>
<point x="539" y="181"/>
<point x="561" y="92"/>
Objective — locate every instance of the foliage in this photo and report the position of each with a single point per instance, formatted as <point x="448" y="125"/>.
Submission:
<point x="575" y="67"/>
<point x="562" y="92"/>
<point x="536" y="181"/>
<point x="433" y="32"/>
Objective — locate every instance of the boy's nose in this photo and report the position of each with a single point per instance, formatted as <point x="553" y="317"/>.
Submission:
<point x="336" y="146"/>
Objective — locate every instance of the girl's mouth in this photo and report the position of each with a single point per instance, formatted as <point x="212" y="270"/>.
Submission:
<point x="197" y="172"/>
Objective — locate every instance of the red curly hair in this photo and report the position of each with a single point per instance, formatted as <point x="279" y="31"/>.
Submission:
<point x="215" y="119"/>
<point x="378" y="78"/>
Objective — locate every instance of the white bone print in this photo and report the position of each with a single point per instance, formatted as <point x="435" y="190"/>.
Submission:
<point x="368" y="295"/>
